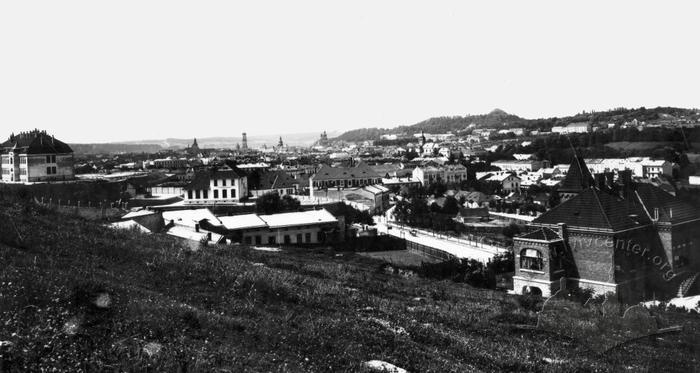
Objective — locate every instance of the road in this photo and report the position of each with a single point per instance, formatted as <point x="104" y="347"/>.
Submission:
<point x="460" y="249"/>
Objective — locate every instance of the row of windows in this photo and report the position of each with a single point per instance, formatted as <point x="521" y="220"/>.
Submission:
<point x="50" y="159"/>
<point x="204" y="194"/>
<point x="345" y="183"/>
<point x="223" y="182"/>
<point x="51" y="170"/>
<point x="287" y="239"/>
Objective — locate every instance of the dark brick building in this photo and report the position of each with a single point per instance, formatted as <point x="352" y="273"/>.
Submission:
<point x="631" y="239"/>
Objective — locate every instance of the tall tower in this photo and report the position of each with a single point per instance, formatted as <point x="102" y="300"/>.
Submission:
<point x="245" y="142"/>
<point x="280" y="143"/>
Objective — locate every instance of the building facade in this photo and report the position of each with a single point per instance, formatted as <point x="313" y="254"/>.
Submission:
<point x="631" y="239"/>
<point x="293" y="228"/>
<point x="219" y="186"/>
<point x="328" y="177"/>
<point x="36" y="157"/>
<point x="440" y="173"/>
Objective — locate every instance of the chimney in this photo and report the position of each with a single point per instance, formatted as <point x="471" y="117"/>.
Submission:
<point x="609" y="179"/>
<point x="562" y="230"/>
<point x="600" y="181"/>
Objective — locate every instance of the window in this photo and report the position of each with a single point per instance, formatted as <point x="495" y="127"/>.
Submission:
<point x="307" y="237"/>
<point x="189" y="194"/>
<point x="223" y="182"/>
<point x="287" y="239"/>
<point x="531" y="259"/>
<point x="216" y="192"/>
<point x="216" y="184"/>
<point x="319" y="236"/>
<point x="23" y="160"/>
<point x="258" y="240"/>
<point x="48" y="159"/>
<point x="197" y="195"/>
<point x="299" y="238"/>
<point x="206" y="194"/>
<point x="224" y="194"/>
<point x="233" y="193"/>
<point x="271" y="240"/>
<point x="248" y="240"/>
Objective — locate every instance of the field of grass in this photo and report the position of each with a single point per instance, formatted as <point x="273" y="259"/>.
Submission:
<point x="75" y="296"/>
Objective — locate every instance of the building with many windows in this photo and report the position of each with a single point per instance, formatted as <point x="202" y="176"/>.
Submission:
<point x="216" y="186"/>
<point x="434" y="173"/>
<point x="338" y="178"/>
<point x="35" y="156"/>
<point x="297" y="228"/>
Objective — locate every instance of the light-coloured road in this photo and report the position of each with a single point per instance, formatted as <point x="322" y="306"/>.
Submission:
<point x="458" y="248"/>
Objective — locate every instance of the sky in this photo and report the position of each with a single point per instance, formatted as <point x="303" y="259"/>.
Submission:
<point x="99" y="71"/>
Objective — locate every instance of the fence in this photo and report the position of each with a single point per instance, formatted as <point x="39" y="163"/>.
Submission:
<point x="103" y="210"/>
<point x="471" y="240"/>
<point x="429" y="251"/>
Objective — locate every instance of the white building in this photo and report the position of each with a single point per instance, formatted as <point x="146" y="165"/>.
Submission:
<point x="520" y="165"/>
<point x="35" y="156"/>
<point x="579" y="127"/>
<point x="448" y="173"/>
<point x="307" y="227"/>
<point x="220" y="186"/>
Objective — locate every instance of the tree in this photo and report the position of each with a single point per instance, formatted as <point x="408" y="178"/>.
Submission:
<point x="271" y="203"/>
<point x="451" y="206"/>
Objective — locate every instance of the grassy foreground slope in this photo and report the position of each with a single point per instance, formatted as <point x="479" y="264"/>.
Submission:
<point x="75" y="296"/>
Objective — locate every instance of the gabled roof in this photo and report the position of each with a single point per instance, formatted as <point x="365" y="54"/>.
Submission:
<point x="670" y="208"/>
<point x="290" y="219"/>
<point x="541" y="234"/>
<point x="597" y="210"/>
<point x="35" y="142"/>
<point x="275" y="180"/>
<point x="578" y="177"/>
<point x="361" y="171"/>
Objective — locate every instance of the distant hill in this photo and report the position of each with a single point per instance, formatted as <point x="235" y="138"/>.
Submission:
<point x="115" y="148"/>
<point x="499" y="118"/>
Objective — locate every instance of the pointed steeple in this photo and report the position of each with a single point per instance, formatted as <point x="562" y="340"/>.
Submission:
<point x="577" y="179"/>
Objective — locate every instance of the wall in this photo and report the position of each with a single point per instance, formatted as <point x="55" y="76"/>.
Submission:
<point x="36" y="167"/>
<point x="248" y="237"/>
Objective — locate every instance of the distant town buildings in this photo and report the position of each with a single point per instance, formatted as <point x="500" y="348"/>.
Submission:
<point x="36" y="156"/>
<point x="579" y="127"/>
<point x="430" y="174"/>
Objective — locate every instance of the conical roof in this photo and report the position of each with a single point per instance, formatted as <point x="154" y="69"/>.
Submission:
<point x="578" y="177"/>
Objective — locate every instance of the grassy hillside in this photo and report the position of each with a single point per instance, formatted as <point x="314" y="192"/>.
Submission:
<point x="75" y="296"/>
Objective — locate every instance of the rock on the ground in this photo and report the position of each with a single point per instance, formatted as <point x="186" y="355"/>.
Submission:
<point x="383" y="366"/>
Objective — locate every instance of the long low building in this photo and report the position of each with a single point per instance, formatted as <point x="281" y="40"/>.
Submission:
<point x="306" y="227"/>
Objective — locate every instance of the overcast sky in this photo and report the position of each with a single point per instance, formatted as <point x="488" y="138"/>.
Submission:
<point x="125" y="70"/>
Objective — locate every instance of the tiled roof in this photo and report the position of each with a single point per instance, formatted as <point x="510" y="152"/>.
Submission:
<point x="541" y="234"/>
<point x="200" y="180"/>
<point x="275" y="180"/>
<point x="670" y="208"/>
<point x="35" y="142"/>
<point x="597" y="209"/>
<point x="361" y="171"/>
<point x="578" y="177"/>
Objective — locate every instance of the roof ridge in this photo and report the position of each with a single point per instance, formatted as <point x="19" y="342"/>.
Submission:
<point x="601" y="208"/>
